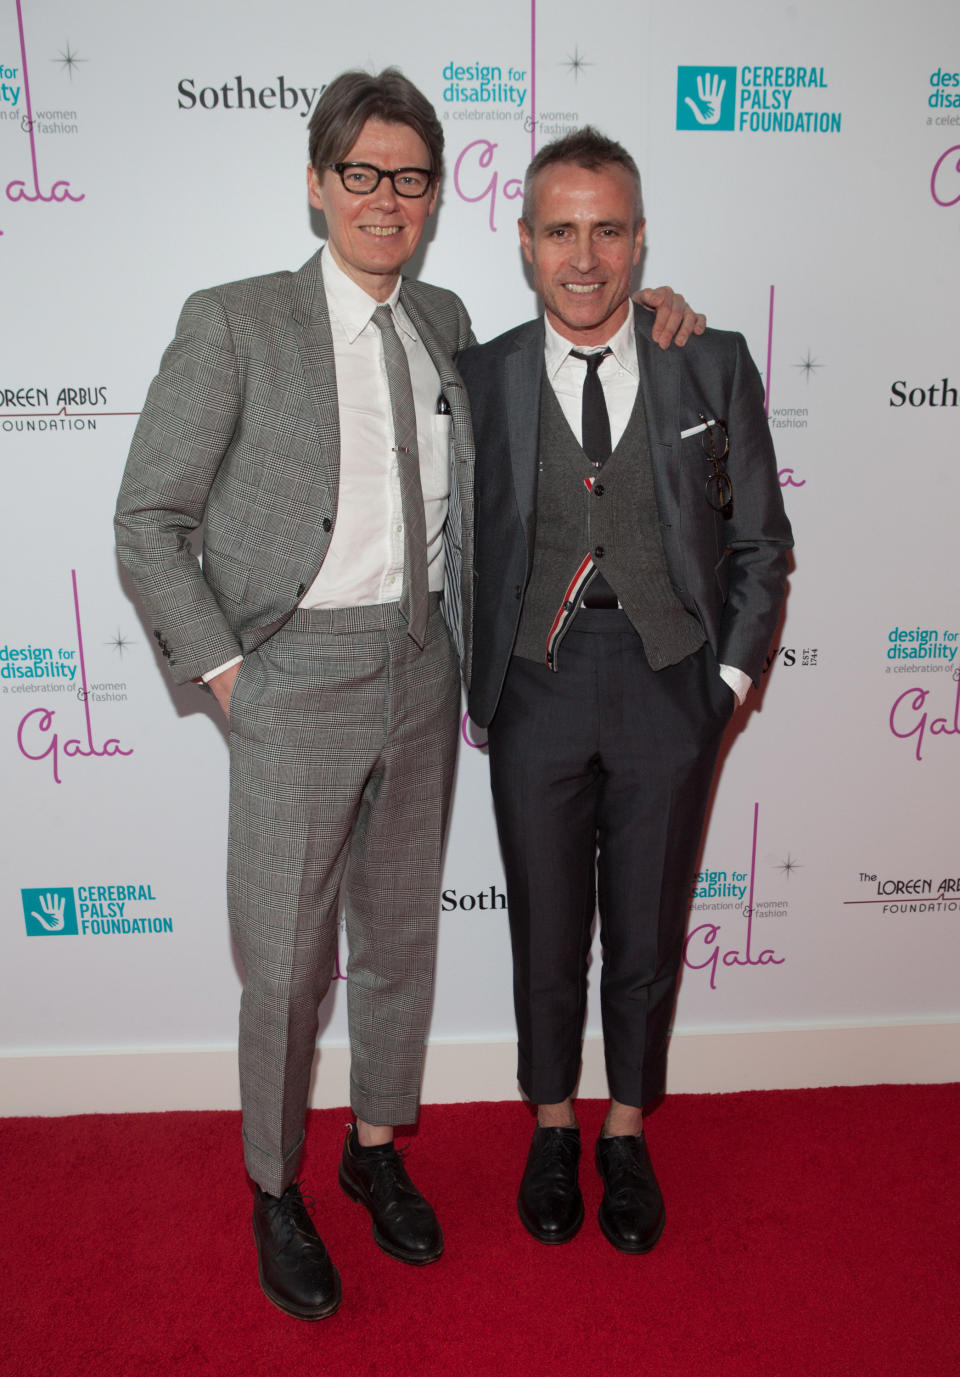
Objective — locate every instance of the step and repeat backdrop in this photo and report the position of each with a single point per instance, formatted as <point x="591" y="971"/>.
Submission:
<point x="801" y="169"/>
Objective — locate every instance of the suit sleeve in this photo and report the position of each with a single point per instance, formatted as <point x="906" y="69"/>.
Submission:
<point x="184" y="431"/>
<point x="758" y="535"/>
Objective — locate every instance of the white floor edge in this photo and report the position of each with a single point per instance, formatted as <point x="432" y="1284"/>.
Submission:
<point x="767" y="1059"/>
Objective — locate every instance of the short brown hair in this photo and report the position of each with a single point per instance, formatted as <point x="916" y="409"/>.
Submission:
<point x="352" y="98"/>
<point x="585" y="147"/>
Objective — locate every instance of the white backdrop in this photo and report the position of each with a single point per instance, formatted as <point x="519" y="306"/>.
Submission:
<point x="148" y="150"/>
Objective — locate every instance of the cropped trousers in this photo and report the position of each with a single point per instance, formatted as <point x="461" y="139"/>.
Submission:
<point x="342" y="744"/>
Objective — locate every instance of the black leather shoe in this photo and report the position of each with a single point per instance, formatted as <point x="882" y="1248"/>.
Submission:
<point x="550" y="1204"/>
<point x="404" y="1224"/>
<point x="631" y="1212"/>
<point x="295" y="1268"/>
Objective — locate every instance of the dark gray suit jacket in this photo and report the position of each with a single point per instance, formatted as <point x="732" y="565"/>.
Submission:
<point x="729" y="571"/>
<point x="241" y="427"/>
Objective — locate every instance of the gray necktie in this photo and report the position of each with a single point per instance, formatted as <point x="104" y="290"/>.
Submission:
<point x="414" y="599"/>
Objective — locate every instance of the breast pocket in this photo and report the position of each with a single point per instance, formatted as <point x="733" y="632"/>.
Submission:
<point x="441" y="440"/>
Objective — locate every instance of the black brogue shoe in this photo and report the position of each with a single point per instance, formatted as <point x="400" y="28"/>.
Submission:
<point x="404" y="1224"/>
<point x="550" y="1204"/>
<point x="631" y="1213"/>
<point x="295" y="1268"/>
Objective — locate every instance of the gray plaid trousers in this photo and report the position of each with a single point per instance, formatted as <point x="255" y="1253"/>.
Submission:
<point x="342" y="745"/>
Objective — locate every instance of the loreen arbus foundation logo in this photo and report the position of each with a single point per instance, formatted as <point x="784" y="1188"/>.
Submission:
<point x="755" y="100"/>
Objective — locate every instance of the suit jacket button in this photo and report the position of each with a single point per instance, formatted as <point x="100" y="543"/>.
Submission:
<point x="327" y="524"/>
<point x="598" y="552"/>
<point x="301" y="590"/>
<point x="517" y="591"/>
<point x="598" y="489"/>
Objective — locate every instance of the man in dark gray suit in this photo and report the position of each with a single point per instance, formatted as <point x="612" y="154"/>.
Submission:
<point x="630" y="563"/>
<point x="316" y="421"/>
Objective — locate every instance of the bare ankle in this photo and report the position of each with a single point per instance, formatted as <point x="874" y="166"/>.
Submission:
<point x="557" y="1115"/>
<point x="623" y="1121"/>
<point x="373" y="1135"/>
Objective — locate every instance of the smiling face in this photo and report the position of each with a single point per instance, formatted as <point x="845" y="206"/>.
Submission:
<point x="583" y="244"/>
<point x="372" y="237"/>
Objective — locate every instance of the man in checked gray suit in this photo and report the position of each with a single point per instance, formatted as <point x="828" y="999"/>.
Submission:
<point x="316" y="421"/>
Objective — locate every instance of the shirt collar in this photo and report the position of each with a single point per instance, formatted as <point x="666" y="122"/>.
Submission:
<point x="352" y="306"/>
<point x="622" y="344"/>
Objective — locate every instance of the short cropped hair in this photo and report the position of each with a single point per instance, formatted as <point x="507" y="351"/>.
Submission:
<point x="585" y="147"/>
<point x="352" y="98"/>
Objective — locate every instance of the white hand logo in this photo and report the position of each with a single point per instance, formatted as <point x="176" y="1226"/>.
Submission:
<point x="53" y="907"/>
<point x="710" y="89"/>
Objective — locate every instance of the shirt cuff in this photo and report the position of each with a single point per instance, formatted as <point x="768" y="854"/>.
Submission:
<point x="737" y="680"/>
<point x="238" y="659"/>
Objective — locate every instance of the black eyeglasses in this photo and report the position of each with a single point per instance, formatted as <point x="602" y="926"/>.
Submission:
<point x="716" y="446"/>
<point x="363" y="178"/>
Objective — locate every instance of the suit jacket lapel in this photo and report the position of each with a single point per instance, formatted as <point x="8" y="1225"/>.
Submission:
<point x="659" y="388"/>
<point x="450" y="383"/>
<point x="434" y="345"/>
<point x="660" y="391"/>
<point x="522" y="380"/>
<point x="311" y="323"/>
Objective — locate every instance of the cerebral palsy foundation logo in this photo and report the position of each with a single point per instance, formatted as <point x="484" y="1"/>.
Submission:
<point x="758" y="99"/>
<point x="91" y="911"/>
<point x="49" y="912"/>
<point x="706" y="97"/>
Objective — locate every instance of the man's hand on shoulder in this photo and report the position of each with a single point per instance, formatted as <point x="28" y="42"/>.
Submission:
<point x="675" y="322"/>
<point x="221" y="686"/>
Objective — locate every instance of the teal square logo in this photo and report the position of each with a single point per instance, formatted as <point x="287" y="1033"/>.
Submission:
<point x="706" y="97"/>
<point x="49" y="912"/>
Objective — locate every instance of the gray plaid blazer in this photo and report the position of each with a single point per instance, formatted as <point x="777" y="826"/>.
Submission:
<point x="241" y="427"/>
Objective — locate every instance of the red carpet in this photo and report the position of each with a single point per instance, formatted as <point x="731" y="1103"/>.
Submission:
<point x="808" y="1232"/>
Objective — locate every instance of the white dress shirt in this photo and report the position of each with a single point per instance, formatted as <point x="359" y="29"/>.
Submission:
<point x="619" y="376"/>
<point x="364" y="560"/>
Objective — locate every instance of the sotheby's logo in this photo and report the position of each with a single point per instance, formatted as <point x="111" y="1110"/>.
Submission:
<point x="49" y="912"/>
<point x="706" y="97"/>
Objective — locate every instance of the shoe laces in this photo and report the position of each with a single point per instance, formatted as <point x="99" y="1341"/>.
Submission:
<point x="625" y="1165"/>
<point x="295" y="1208"/>
<point x="388" y="1172"/>
<point x="559" y="1146"/>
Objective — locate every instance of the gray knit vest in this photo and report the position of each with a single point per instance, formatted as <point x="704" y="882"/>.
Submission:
<point x="618" y="523"/>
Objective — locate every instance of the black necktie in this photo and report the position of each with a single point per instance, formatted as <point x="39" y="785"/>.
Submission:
<point x="595" y="431"/>
<point x="594" y="423"/>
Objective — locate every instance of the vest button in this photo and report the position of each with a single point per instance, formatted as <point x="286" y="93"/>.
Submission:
<point x="301" y="590"/>
<point x="327" y="523"/>
<point x="598" y="490"/>
<point x="598" y="552"/>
